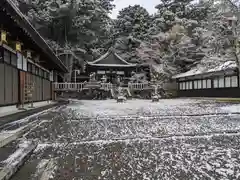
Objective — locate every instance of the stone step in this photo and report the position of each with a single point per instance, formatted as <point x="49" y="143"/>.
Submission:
<point x="11" y="165"/>
<point x="7" y="150"/>
<point x="11" y="135"/>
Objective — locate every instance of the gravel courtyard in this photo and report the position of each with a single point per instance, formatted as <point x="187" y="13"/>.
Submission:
<point x="171" y="139"/>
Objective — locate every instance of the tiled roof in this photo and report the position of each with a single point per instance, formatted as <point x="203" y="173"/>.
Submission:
<point x="198" y="71"/>
<point x="122" y="62"/>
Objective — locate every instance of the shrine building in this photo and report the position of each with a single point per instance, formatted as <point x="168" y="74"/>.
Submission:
<point x="112" y="66"/>
<point x="28" y="66"/>
<point x="220" y="81"/>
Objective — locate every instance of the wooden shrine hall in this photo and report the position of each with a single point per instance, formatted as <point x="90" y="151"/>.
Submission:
<point x="112" y="66"/>
<point x="28" y="66"/>
<point x="220" y="81"/>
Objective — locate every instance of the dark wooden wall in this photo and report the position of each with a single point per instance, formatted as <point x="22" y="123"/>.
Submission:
<point x="218" y="92"/>
<point x="41" y="87"/>
<point x="12" y="73"/>
<point x="8" y="85"/>
<point x="228" y="88"/>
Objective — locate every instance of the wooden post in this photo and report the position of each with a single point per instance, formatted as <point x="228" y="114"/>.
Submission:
<point x="31" y="88"/>
<point x="53" y="91"/>
<point x="22" y="88"/>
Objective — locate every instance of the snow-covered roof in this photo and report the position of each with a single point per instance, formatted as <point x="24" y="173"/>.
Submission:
<point x="198" y="71"/>
<point x="121" y="62"/>
<point x="112" y="65"/>
<point x="23" y="22"/>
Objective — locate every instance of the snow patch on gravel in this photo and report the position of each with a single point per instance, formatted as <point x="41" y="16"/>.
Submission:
<point x="232" y="108"/>
<point x="131" y="107"/>
<point x="19" y="154"/>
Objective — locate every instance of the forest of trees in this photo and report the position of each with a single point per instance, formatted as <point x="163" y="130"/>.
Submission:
<point x="182" y="34"/>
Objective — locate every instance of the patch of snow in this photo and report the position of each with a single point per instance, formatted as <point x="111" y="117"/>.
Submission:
<point x="43" y="146"/>
<point x="14" y="158"/>
<point x="49" y="171"/>
<point x="24" y="120"/>
<point x="121" y="98"/>
<point x="42" y="163"/>
<point x="232" y="108"/>
<point x="191" y="72"/>
<point x="15" y="130"/>
<point x="134" y="107"/>
<point x="226" y="65"/>
<point x="158" y="68"/>
<point x="4" y="136"/>
<point x="201" y="70"/>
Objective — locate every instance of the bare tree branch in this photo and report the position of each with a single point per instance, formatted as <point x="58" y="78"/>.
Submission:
<point x="231" y="3"/>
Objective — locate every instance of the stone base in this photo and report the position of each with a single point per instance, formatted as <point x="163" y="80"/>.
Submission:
<point x="121" y="99"/>
<point x="155" y="98"/>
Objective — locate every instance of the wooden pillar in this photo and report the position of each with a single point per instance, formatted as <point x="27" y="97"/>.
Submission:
<point x="53" y="79"/>
<point x="22" y="75"/>
<point x="53" y="96"/>
<point x="22" y="78"/>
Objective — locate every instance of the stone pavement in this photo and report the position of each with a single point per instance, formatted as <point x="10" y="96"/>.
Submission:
<point x="11" y="113"/>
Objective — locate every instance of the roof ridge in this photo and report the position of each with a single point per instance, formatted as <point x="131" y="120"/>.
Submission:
<point x="119" y="57"/>
<point x="109" y="52"/>
<point x="101" y="57"/>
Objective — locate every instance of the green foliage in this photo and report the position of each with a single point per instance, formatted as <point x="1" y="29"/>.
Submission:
<point x="182" y="34"/>
<point x="77" y="23"/>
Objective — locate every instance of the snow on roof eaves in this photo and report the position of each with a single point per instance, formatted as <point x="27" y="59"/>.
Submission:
<point x="101" y="58"/>
<point x="113" y="65"/>
<point x="107" y="54"/>
<point x="195" y="71"/>
<point x="48" y="49"/>
<point x="122" y="59"/>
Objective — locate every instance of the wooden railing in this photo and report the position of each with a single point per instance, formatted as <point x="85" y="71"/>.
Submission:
<point x="138" y="86"/>
<point x="105" y="86"/>
<point x="68" y="86"/>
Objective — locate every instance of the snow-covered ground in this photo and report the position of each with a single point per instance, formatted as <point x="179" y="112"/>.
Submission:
<point x="139" y="139"/>
<point x="145" y="107"/>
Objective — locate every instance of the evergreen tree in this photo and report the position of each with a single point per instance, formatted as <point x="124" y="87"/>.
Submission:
<point x="182" y="34"/>
<point x="174" y="40"/>
<point x="72" y="23"/>
<point x="129" y="30"/>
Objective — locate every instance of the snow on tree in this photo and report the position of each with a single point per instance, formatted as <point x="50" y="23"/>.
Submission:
<point x="71" y="22"/>
<point x="220" y="43"/>
<point x="230" y="13"/>
<point x="174" y="41"/>
<point x="132" y="21"/>
<point x="182" y="34"/>
<point x="130" y="28"/>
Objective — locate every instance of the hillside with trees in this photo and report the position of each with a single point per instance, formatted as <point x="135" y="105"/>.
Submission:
<point x="181" y="35"/>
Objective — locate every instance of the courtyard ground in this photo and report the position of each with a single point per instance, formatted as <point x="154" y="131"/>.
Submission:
<point x="171" y="139"/>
